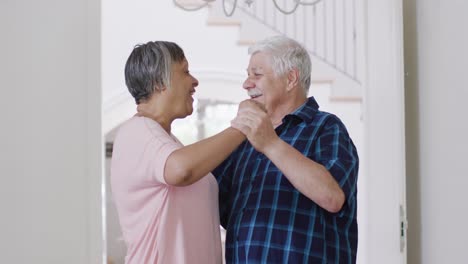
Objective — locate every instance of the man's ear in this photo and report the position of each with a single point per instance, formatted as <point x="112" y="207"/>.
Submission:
<point x="293" y="79"/>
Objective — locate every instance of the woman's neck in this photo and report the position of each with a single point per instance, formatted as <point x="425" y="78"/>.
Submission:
<point x="150" y="111"/>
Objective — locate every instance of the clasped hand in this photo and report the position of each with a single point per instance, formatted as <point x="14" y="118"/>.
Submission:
<point x="253" y="121"/>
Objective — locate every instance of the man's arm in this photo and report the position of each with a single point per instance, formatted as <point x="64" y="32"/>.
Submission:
<point x="309" y="177"/>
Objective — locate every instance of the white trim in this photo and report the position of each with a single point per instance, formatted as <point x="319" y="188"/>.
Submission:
<point x="116" y="110"/>
<point x="384" y="131"/>
<point x="116" y="100"/>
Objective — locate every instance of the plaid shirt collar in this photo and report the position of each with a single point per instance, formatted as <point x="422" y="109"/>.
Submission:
<point x="305" y="112"/>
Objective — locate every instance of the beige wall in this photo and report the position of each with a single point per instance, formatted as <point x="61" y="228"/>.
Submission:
<point x="50" y="147"/>
<point x="436" y="61"/>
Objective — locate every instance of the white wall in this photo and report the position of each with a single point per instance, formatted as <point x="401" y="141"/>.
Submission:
<point x="436" y="60"/>
<point x="126" y="23"/>
<point x="214" y="57"/>
<point x="50" y="140"/>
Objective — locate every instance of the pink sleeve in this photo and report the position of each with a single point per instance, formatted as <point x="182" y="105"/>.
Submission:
<point x="160" y="155"/>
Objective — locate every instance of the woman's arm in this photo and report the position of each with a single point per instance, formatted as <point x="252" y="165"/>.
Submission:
<point x="189" y="164"/>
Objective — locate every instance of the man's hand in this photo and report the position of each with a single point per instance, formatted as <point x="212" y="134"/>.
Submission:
<point x="253" y="120"/>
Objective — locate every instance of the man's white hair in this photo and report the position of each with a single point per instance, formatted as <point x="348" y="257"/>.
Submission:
<point x="286" y="54"/>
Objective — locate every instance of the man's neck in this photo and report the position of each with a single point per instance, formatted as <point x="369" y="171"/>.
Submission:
<point x="285" y="109"/>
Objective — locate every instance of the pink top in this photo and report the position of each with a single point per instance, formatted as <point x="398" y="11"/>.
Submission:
<point x="161" y="223"/>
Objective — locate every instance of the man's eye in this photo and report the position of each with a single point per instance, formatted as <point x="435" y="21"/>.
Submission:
<point x="257" y="74"/>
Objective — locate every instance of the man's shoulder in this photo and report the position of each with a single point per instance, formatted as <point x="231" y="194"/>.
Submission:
<point x="321" y="118"/>
<point x="326" y="121"/>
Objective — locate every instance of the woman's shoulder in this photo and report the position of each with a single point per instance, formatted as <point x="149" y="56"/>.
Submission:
<point x="142" y="125"/>
<point x="142" y="129"/>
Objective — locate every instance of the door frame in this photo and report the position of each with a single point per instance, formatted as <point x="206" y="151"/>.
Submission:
<point x="384" y="139"/>
<point x="384" y="133"/>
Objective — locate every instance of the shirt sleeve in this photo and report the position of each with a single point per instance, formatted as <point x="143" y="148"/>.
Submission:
<point x="162" y="151"/>
<point x="223" y="175"/>
<point x="336" y="152"/>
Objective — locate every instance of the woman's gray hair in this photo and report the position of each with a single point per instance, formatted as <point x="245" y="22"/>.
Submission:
<point x="148" y="68"/>
<point x="286" y="54"/>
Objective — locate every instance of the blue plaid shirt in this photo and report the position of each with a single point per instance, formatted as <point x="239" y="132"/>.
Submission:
<point x="267" y="219"/>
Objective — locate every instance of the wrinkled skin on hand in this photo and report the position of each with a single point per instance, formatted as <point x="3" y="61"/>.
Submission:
<point x="253" y="120"/>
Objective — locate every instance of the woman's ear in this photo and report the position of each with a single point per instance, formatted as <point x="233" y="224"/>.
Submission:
<point x="293" y="79"/>
<point x="160" y="88"/>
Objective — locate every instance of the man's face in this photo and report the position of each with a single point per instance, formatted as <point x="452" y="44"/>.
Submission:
<point x="263" y="85"/>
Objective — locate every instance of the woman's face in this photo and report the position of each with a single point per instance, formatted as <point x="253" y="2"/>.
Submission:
<point x="181" y="91"/>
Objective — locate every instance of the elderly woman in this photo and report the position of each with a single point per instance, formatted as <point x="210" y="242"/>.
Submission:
<point x="165" y="195"/>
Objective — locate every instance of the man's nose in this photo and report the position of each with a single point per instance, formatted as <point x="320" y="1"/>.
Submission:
<point x="248" y="84"/>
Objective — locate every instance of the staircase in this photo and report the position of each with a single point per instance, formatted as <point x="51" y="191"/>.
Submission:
<point x="333" y="36"/>
<point x="329" y="29"/>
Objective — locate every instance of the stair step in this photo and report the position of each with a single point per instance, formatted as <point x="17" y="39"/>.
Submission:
<point x="344" y="88"/>
<point x="222" y="22"/>
<point x="346" y="99"/>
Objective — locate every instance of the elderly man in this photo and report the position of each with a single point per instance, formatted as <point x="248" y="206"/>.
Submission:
<point x="288" y="194"/>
